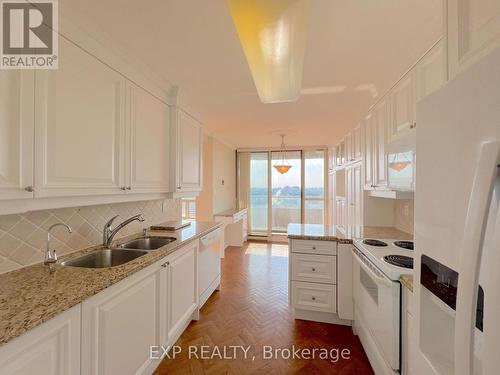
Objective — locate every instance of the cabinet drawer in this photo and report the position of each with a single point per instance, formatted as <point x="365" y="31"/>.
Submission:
<point x="314" y="247"/>
<point x="314" y="268"/>
<point x="314" y="297"/>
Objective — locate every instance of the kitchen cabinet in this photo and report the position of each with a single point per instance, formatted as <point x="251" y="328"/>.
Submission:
<point x="341" y="214"/>
<point x="356" y="143"/>
<point x="182" y="288"/>
<point x="16" y="128"/>
<point x="369" y="131"/>
<point x="431" y="71"/>
<point x="403" y="106"/>
<point x="349" y="152"/>
<point x="186" y="153"/>
<point x="380" y="140"/>
<point x="120" y="324"/>
<point x="473" y="31"/>
<point x="79" y="127"/>
<point x="376" y="129"/>
<point x="149" y="142"/>
<point x="316" y="276"/>
<point x="52" y="348"/>
<point x="354" y="198"/>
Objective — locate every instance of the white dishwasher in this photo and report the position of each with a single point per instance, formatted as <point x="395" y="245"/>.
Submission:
<point x="209" y="265"/>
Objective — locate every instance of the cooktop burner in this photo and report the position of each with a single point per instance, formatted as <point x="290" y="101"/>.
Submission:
<point x="375" y="243"/>
<point x="404" y="244"/>
<point x="399" y="260"/>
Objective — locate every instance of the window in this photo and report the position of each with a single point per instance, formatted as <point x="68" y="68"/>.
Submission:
<point x="188" y="208"/>
<point x="274" y="199"/>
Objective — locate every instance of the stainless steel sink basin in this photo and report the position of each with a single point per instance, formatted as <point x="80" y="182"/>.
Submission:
<point x="104" y="258"/>
<point x="147" y="243"/>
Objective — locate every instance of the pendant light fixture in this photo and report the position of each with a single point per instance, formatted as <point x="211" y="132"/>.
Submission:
<point x="282" y="165"/>
<point x="273" y="36"/>
<point x="399" y="165"/>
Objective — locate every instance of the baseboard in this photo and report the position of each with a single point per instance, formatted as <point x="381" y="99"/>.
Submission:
<point x="323" y="317"/>
<point x="208" y="292"/>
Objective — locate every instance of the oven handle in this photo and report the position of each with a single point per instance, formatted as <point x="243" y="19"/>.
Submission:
<point x="375" y="274"/>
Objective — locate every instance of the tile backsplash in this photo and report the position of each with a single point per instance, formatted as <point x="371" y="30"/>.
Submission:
<point x="23" y="236"/>
<point x="404" y="210"/>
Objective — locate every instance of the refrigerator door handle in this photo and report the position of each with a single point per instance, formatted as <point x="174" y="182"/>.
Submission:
<point x="470" y="255"/>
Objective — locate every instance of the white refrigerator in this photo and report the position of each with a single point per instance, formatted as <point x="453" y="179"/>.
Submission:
<point x="457" y="226"/>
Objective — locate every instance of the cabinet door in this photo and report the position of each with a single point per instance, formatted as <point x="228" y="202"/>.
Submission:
<point x="53" y="348"/>
<point x="369" y="150"/>
<point x="120" y="324"/>
<point x="349" y="148"/>
<point x="473" y="31"/>
<point x="356" y="143"/>
<point x="381" y="139"/>
<point x="79" y="126"/>
<point x="403" y="106"/>
<point x="149" y="161"/>
<point x="182" y="288"/>
<point x="16" y="134"/>
<point x="189" y="143"/>
<point x="358" y="199"/>
<point x="431" y="71"/>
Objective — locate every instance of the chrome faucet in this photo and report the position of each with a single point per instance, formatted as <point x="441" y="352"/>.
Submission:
<point x="108" y="233"/>
<point x="50" y="255"/>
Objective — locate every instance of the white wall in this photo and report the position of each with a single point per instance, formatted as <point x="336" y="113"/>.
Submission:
<point x="224" y="176"/>
<point x="219" y="179"/>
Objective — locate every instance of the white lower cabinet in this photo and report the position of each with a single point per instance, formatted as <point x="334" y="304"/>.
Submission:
<point x="314" y="281"/>
<point x="53" y="348"/>
<point x="120" y="324"/>
<point x="182" y="289"/>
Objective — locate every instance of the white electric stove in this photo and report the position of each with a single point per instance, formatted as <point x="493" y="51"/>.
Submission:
<point x="393" y="257"/>
<point x="378" y="265"/>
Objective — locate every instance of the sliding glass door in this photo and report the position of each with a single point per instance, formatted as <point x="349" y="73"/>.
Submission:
<point x="286" y="190"/>
<point x="259" y="193"/>
<point x="274" y="199"/>
<point x="314" y="187"/>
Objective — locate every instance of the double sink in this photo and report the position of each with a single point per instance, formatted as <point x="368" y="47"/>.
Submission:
<point x="121" y="254"/>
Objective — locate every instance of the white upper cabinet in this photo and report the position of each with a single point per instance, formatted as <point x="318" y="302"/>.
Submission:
<point x="16" y="134"/>
<point x="473" y="31"/>
<point x="349" y="151"/>
<point x="356" y="143"/>
<point x="79" y="125"/>
<point x="369" y="146"/>
<point x="149" y="142"/>
<point x="431" y="71"/>
<point x="403" y="106"/>
<point x="187" y="138"/>
<point x="382" y="119"/>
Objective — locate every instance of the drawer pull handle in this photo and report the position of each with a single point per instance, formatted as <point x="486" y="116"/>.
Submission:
<point x="314" y="298"/>
<point x="314" y="269"/>
<point x="314" y="247"/>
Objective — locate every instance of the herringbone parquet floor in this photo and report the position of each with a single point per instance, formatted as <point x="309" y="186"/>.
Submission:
<point x="251" y="310"/>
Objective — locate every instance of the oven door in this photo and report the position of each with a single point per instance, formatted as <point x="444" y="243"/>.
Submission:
<point x="377" y="301"/>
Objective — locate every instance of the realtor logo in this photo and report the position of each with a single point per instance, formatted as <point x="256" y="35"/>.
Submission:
<point x="29" y="34"/>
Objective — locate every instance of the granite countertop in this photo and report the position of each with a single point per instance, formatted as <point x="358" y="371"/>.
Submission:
<point x="321" y="232"/>
<point x="32" y="295"/>
<point x="230" y="212"/>
<point x="407" y="281"/>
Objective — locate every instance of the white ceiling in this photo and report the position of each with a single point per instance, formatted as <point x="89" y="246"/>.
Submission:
<point x="355" y="49"/>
